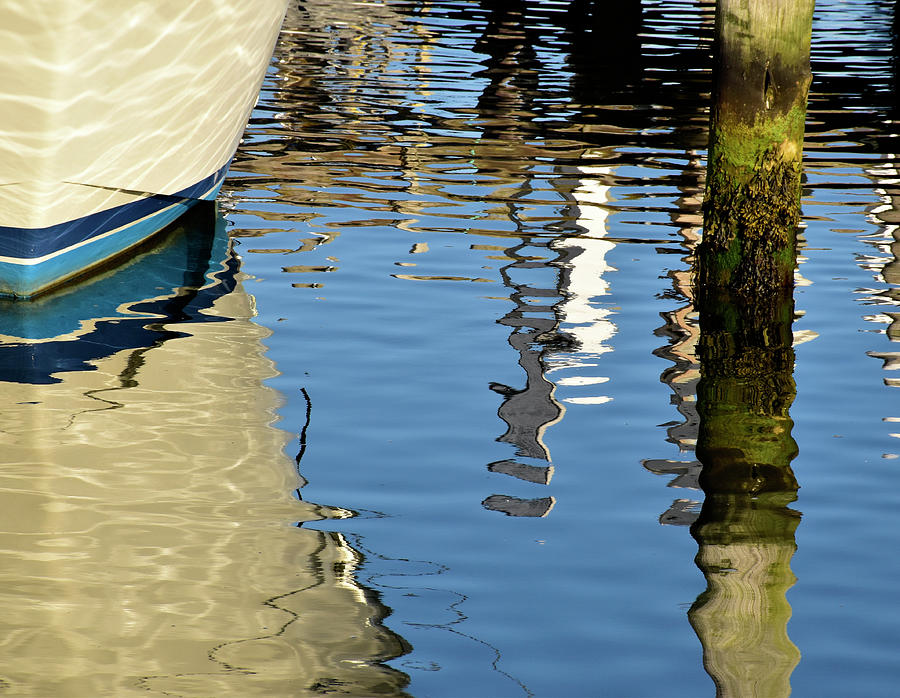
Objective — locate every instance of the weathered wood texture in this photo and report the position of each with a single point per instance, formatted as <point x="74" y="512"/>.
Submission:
<point x="752" y="203"/>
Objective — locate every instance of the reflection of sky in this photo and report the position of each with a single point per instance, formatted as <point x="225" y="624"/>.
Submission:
<point x="423" y="210"/>
<point x="379" y="248"/>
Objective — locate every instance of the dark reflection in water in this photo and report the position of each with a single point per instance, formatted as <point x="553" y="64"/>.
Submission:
<point x="886" y="262"/>
<point x="512" y="108"/>
<point x="548" y="137"/>
<point x="681" y="329"/>
<point x="507" y="109"/>
<point x="533" y="112"/>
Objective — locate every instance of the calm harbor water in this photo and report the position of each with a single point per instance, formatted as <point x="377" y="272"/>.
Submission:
<point x="415" y="413"/>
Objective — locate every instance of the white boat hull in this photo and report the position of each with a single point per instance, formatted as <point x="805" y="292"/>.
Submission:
<point x="115" y="117"/>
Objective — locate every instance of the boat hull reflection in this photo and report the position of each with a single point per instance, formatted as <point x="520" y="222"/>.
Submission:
<point x="130" y="307"/>
<point x="148" y="526"/>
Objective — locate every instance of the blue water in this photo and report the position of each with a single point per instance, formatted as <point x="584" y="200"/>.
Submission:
<point x="466" y="230"/>
<point x="422" y="205"/>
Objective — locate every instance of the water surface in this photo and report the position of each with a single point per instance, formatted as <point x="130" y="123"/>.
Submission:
<point x="429" y="429"/>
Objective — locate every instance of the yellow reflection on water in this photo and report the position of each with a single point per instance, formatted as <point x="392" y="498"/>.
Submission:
<point x="741" y="618"/>
<point x="147" y="534"/>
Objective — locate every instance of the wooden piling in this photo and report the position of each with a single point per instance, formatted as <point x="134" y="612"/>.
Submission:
<point x="752" y="204"/>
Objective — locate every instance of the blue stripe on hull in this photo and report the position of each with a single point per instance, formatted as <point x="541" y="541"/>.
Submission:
<point x="71" y="248"/>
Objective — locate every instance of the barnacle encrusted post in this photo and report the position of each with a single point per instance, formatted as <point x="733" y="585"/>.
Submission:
<point x="752" y="203"/>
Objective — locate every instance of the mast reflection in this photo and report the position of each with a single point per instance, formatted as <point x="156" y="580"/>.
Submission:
<point x="552" y="279"/>
<point x="886" y="264"/>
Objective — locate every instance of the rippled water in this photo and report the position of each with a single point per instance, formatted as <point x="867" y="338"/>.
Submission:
<point x="428" y="430"/>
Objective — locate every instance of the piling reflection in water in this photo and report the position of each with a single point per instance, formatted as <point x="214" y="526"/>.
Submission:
<point x="732" y="383"/>
<point x="745" y="530"/>
<point x="147" y="540"/>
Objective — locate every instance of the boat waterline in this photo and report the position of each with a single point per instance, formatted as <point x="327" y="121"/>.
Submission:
<point x="96" y="154"/>
<point x="26" y="276"/>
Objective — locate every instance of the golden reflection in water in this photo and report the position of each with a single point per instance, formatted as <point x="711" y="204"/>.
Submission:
<point x="745" y="551"/>
<point x="148" y="543"/>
